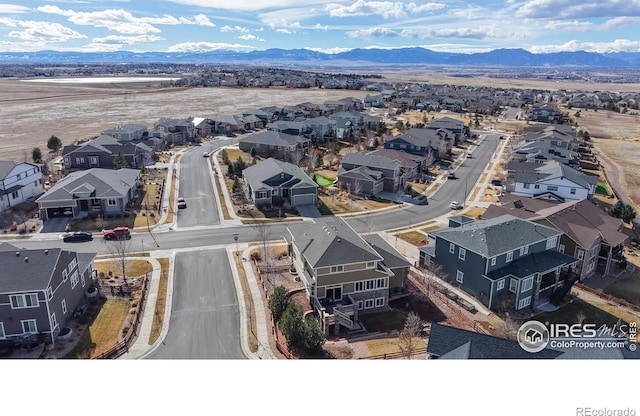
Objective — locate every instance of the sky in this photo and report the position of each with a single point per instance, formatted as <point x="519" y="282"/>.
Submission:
<point x="328" y="26"/>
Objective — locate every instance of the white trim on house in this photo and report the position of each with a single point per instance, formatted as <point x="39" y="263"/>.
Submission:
<point x="459" y="276"/>
<point x="24" y="301"/>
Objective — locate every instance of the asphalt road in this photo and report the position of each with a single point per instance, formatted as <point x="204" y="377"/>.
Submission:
<point x="205" y="316"/>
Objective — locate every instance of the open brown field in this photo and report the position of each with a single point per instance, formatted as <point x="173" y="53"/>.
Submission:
<point x="32" y="112"/>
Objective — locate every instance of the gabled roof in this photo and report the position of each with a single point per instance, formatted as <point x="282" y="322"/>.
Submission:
<point x="331" y="241"/>
<point x="407" y="160"/>
<point x="543" y="172"/>
<point x="286" y="175"/>
<point x="370" y="160"/>
<point x="495" y="236"/>
<point x="30" y="275"/>
<point x="105" y="182"/>
<point x="392" y="258"/>
<point x="423" y="137"/>
<point x="6" y="166"/>
<point x="446" y="123"/>
<point x="361" y="172"/>
<point x="274" y="138"/>
<point x="533" y="263"/>
<point x="448" y="342"/>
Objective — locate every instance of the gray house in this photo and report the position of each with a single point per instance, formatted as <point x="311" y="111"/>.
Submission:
<point x="272" y="181"/>
<point x="275" y="144"/>
<point x="128" y="132"/>
<point x="429" y="143"/>
<point x="393" y="174"/>
<point x="457" y="127"/>
<point x="102" y="151"/>
<point x="40" y="289"/>
<point x="93" y="191"/>
<point x="504" y="262"/>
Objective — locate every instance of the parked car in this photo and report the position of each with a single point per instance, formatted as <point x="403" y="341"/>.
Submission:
<point x="118" y="233"/>
<point x="470" y="155"/>
<point x="455" y="205"/>
<point x="182" y="203"/>
<point x="452" y="175"/>
<point x="496" y="182"/>
<point x="205" y="154"/>
<point x="77" y="236"/>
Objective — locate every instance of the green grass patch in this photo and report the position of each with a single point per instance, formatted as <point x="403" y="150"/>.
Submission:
<point x="602" y="189"/>
<point x="627" y="289"/>
<point x="322" y="181"/>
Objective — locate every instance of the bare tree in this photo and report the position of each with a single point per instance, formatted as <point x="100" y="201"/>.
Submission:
<point x="119" y="247"/>
<point x="357" y="187"/>
<point x="409" y="340"/>
<point x="263" y="234"/>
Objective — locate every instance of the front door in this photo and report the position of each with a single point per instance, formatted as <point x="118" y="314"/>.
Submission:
<point x="334" y="293"/>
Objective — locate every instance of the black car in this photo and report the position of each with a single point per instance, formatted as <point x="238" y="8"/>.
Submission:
<point x="77" y="237"/>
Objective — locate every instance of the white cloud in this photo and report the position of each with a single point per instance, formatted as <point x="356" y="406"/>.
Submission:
<point x="386" y="9"/>
<point x="126" y="40"/>
<point x="286" y="31"/>
<point x="423" y="8"/>
<point x="35" y="31"/>
<point x="207" y="46"/>
<point x="575" y="9"/>
<point x="373" y="32"/>
<point x="623" y="21"/>
<point x="228" y="28"/>
<point x="122" y="21"/>
<point x="251" y="37"/>
<point x="249" y="5"/>
<point x="618" y="45"/>
<point x="331" y="51"/>
<point x="574" y="26"/>
<point x="13" y="9"/>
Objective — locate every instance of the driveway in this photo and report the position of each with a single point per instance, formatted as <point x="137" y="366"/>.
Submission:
<point x="308" y="211"/>
<point x="55" y="225"/>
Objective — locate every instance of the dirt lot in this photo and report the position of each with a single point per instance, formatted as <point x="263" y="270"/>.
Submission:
<point x="32" y="112"/>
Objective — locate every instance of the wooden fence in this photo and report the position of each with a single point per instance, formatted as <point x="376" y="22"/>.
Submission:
<point x="608" y="298"/>
<point x="122" y="347"/>
<point x="395" y="355"/>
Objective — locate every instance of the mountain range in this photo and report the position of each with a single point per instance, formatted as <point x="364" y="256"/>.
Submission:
<point x="355" y="57"/>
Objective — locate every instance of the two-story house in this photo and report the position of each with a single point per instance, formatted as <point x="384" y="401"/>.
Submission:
<point x="551" y="180"/>
<point x="275" y="144"/>
<point x="423" y="142"/>
<point x="19" y="182"/>
<point x="504" y="262"/>
<point x="102" y="151"/>
<point x="393" y="174"/>
<point x="40" y="289"/>
<point x="272" y="181"/>
<point x="590" y="234"/>
<point x="343" y="273"/>
<point x="322" y="129"/>
<point x="456" y="127"/>
<point x="128" y="132"/>
<point x="173" y="131"/>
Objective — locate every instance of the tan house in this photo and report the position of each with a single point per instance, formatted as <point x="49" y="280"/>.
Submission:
<point x="343" y="273"/>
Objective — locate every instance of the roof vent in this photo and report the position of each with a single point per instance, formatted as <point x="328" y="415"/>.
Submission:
<point x="46" y="252"/>
<point x="26" y="259"/>
<point x="17" y="254"/>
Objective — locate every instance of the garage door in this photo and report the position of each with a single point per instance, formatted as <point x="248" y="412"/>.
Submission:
<point x="309" y="199"/>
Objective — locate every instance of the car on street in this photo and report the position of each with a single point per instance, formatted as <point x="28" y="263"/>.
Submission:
<point x="470" y="155"/>
<point x="118" y="233"/>
<point x="205" y="154"/>
<point x="182" y="203"/>
<point x="77" y="236"/>
<point x="455" y="205"/>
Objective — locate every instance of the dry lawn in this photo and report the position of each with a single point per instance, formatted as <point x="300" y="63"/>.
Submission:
<point x="133" y="267"/>
<point x="161" y="301"/>
<point x="105" y="330"/>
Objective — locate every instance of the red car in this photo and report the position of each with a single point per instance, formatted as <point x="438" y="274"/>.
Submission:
<point x="118" y="233"/>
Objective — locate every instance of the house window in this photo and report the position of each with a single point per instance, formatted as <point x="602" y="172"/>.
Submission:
<point x="73" y="264"/>
<point x="29" y="326"/>
<point x="82" y="279"/>
<point x="500" y="284"/>
<point x="526" y="186"/>
<point x="274" y="191"/>
<point x="452" y="248"/>
<point x="552" y="188"/>
<point x="49" y="293"/>
<point x="380" y="283"/>
<point x="493" y="261"/>
<point x="459" y="276"/>
<point x="337" y="269"/>
<point x="29" y="300"/>
<point x="2" y="334"/>
<point x="75" y="278"/>
<point x="509" y="256"/>
<point x="561" y="248"/>
<point x="65" y="273"/>
<point x="79" y="160"/>
<point x="262" y="195"/>
<point x="360" y="305"/>
<point x="112" y="202"/>
<point x="379" y="302"/>
<point x="524" y="250"/>
<point x="580" y="254"/>
<point x="359" y="286"/>
<point x="536" y="186"/>
<point x="462" y="253"/>
<point x="524" y="302"/>
<point x="54" y="321"/>
<point x="573" y="191"/>
<point x="527" y="284"/>
<point x="552" y="243"/>
<point x="93" y="160"/>
<point x="368" y="303"/>
<point x="63" y="304"/>
<point x="14" y="194"/>
<point x="369" y="284"/>
<point x="513" y="285"/>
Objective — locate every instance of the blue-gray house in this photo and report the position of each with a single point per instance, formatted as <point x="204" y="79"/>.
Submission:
<point x="504" y="262"/>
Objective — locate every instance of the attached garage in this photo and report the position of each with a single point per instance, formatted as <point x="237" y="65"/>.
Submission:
<point x="306" y="199"/>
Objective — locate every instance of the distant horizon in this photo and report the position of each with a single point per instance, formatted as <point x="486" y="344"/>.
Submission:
<point x="328" y="26"/>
